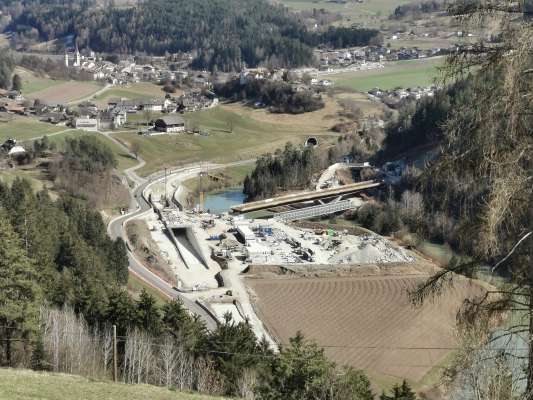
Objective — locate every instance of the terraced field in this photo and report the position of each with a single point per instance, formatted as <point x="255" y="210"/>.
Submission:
<point x="366" y="322"/>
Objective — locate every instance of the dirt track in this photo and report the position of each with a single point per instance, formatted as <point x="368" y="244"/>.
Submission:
<point x="366" y="322"/>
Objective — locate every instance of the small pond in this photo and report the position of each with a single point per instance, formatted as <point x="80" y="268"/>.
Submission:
<point x="219" y="202"/>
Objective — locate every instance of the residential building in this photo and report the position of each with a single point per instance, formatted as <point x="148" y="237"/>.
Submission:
<point x="170" y="124"/>
<point x="86" y="124"/>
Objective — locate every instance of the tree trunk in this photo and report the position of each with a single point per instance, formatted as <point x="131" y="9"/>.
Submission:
<point x="529" y="388"/>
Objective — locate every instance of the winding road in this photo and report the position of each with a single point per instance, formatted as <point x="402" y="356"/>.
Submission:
<point x="140" y="205"/>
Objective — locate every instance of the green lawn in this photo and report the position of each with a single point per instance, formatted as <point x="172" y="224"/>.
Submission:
<point x="18" y="384"/>
<point x="25" y="128"/>
<point x="233" y="136"/>
<point x="370" y="12"/>
<point x="141" y="90"/>
<point x="32" y="83"/>
<point x="34" y="176"/>
<point x="401" y="73"/>
<point x="136" y="286"/>
<point x="38" y="84"/>
<point x="235" y="177"/>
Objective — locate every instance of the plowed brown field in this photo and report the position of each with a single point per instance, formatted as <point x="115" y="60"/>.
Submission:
<point x="66" y="92"/>
<point x="366" y="322"/>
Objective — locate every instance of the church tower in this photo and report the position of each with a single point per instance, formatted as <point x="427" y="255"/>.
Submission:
<point x="78" y="58"/>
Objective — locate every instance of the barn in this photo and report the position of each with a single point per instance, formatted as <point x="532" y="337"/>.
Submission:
<point x="170" y="124"/>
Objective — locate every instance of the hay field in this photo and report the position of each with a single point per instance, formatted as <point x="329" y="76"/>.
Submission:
<point x="66" y="92"/>
<point x="369" y="12"/>
<point x="366" y="322"/>
<point x="32" y="83"/>
<point x="25" y="128"/>
<point x="408" y="73"/>
<point x="236" y="133"/>
<point x="141" y="90"/>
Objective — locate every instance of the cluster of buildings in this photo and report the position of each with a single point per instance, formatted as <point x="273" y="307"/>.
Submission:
<point x="345" y="57"/>
<point x="395" y="97"/>
<point x="116" y="115"/>
<point x="11" y="101"/>
<point x="126" y="71"/>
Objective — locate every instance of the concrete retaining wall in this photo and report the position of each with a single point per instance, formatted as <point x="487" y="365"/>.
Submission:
<point x="193" y="240"/>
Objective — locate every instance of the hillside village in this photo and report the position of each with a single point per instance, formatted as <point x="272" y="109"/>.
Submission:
<point x="199" y="94"/>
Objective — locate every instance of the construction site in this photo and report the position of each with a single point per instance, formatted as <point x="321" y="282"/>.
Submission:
<point x="268" y="271"/>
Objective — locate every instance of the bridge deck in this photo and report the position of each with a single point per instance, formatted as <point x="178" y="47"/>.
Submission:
<point x="304" y="196"/>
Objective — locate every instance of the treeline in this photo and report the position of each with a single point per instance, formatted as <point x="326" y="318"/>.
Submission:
<point x="421" y="202"/>
<point x="422" y="123"/>
<point x="224" y="34"/>
<point x="185" y="356"/>
<point x="56" y="251"/>
<point x="7" y="65"/>
<point x="44" y="66"/>
<point x="340" y="37"/>
<point x="416" y="9"/>
<point x="85" y="169"/>
<point x="290" y="168"/>
<point x="279" y="96"/>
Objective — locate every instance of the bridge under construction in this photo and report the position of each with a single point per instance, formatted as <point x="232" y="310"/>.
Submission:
<point x="307" y="196"/>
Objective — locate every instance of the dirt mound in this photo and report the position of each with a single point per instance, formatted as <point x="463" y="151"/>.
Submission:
<point x="331" y="271"/>
<point x="367" y="322"/>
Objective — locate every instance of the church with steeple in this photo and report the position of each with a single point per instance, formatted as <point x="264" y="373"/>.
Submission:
<point x="73" y="59"/>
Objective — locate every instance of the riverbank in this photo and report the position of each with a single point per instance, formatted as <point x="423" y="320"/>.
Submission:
<point x="216" y="183"/>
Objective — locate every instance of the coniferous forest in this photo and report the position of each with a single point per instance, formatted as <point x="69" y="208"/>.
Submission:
<point x="224" y="34"/>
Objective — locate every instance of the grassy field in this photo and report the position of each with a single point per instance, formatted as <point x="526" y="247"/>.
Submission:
<point x="33" y="175"/>
<point x="141" y="90"/>
<point x="395" y="74"/>
<point x="32" y="83"/>
<point x="25" y="128"/>
<point x="370" y="12"/>
<point x="136" y="285"/>
<point x="24" y="385"/>
<point x="38" y="84"/>
<point x="236" y="132"/>
<point x="234" y="178"/>
<point x="54" y="90"/>
<point x="67" y="92"/>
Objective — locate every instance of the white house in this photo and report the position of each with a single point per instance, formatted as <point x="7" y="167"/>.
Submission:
<point x="86" y="124"/>
<point x="16" y="150"/>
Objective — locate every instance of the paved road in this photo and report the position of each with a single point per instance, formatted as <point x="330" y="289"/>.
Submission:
<point x="116" y="229"/>
<point x="139" y="206"/>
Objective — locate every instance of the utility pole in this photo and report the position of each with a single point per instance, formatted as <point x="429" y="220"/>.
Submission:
<point x="201" y="188"/>
<point x="115" y="372"/>
<point x="165" y="188"/>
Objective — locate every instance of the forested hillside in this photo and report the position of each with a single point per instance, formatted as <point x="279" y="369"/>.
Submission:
<point x="280" y="96"/>
<point x="223" y="33"/>
<point x="422" y="122"/>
